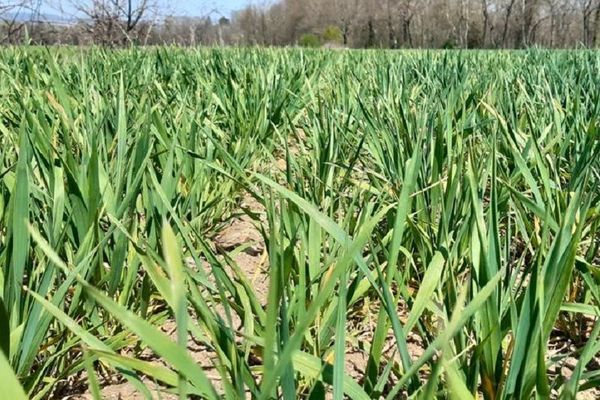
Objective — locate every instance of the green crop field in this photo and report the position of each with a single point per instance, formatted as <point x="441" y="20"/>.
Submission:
<point x="245" y="223"/>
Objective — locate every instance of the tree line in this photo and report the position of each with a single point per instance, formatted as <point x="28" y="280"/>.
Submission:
<point x="332" y="23"/>
<point x="425" y="23"/>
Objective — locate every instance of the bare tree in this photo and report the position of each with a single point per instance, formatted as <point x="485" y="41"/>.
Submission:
<point x="391" y="9"/>
<point x="552" y="9"/>
<point x="595" y="36"/>
<point x="345" y="14"/>
<point x="528" y="12"/>
<point x="589" y="13"/>
<point x="398" y="16"/>
<point x="486" y="20"/>
<point x="507" y="15"/>
<point x="249" y="21"/>
<point x="14" y="15"/>
<point x="407" y="12"/>
<point x="116" y="22"/>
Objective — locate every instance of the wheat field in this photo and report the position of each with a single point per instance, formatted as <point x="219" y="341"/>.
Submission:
<point x="245" y="223"/>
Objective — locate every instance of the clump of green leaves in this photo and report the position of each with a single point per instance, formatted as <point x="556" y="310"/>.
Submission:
<point x="437" y="200"/>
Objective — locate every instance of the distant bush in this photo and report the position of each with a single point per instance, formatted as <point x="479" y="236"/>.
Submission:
<point x="449" y="45"/>
<point x="309" y="40"/>
<point x="332" y="34"/>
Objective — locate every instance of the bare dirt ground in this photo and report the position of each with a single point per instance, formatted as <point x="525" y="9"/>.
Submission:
<point x="242" y="233"/>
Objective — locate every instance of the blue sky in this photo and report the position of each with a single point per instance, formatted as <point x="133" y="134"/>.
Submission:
<point x="190" y="8"/>
<point x="199" y="7"/>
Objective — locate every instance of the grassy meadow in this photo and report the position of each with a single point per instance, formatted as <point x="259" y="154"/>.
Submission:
<point x="260" y="224"/>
